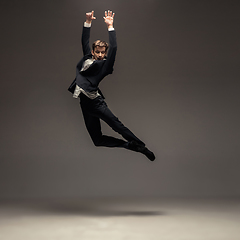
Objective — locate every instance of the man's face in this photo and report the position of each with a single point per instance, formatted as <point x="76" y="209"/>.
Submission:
<point x="99" y="53"/>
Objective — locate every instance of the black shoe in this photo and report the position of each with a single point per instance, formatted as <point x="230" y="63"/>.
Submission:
<point x="142" y="149"/>
<point x="150" y="155"/>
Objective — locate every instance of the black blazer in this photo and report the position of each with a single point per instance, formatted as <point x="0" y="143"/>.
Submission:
<point x="90" y="79"/>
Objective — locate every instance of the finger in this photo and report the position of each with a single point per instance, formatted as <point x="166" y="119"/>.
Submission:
<point x="93" y="15"/>
<point x="105" y="13"/>
<point x="113" y="15"/>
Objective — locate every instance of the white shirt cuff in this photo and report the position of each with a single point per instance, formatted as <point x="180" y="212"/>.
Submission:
<point x="87" y="24"/>
<point x="110" y="29"/>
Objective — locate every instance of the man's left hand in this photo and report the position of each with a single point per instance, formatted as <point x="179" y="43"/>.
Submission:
<point x="109" y="16"/>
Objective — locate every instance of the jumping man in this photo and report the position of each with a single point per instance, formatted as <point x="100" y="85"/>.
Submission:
<point x="90" y="71"/>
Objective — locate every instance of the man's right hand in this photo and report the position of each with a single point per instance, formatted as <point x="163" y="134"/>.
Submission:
<point x="90" y="17"/>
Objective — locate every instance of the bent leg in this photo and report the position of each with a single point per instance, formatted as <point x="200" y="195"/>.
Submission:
<point x="107" y="116"/>
<point x="94" y="129"/>
<point x="93" y="111"/>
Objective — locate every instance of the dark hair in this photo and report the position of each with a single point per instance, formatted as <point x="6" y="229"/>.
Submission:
<point x="100" y="43"/>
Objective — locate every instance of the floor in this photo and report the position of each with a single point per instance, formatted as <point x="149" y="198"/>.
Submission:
<point x="121" y="219"/>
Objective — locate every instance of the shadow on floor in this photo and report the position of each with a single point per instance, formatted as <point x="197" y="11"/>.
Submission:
<point x="101" y="210"/>
<point x="97" y="209"/>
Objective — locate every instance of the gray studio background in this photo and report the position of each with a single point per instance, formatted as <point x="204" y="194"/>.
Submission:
<point x="175" y="85"/>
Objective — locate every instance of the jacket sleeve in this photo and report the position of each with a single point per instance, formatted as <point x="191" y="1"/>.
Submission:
<point x="85" y="40"/>
<point x="108" y="66"/>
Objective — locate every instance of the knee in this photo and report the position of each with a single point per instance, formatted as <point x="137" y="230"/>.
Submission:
<point x="97" y="142"/>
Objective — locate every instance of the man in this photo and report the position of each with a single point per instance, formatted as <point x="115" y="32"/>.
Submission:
<point x="91" y="70"/>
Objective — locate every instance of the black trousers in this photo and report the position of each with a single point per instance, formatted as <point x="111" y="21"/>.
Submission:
<point x="95" y="109"/>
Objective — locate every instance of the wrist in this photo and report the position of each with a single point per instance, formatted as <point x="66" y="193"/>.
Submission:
<point x="88" y="25"/>
<point x="88" y="21"/>
<point x="110" y="26"/>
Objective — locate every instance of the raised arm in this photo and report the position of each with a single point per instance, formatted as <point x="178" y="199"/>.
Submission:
<point x="86" y="33"/>
<point x="109" y="18"/>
